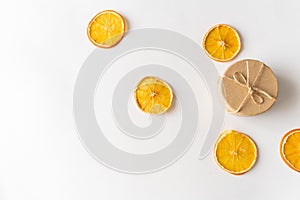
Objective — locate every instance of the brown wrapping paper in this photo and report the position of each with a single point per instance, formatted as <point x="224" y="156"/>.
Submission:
<point x="249" y="87"/>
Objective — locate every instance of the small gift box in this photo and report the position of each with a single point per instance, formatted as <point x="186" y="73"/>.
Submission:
<point x="249" y="87"/>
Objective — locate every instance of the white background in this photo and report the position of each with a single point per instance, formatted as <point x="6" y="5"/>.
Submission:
<point x="42" y="46"/>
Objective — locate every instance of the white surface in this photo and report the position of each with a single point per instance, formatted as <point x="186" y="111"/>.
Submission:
<point x="117" y="70"/>
<point x="42" y="46"/>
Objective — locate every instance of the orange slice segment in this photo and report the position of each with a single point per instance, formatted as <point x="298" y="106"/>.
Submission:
<point x="106" y="29"/>
<point x="290" y="149"/>
<point x="235" y="152"/>
<point x="221" y="43"/>
<point x="153" y="95"/>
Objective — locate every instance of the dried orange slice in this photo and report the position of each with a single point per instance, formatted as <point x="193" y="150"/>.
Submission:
<point x="290" y="149"/>
<point x="235" y="152"/>
<point x="106" y="29"/>
<point x="221" y="43"/>
<point x="153" y="95"/>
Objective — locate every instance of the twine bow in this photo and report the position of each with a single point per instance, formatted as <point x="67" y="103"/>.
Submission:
<point x="253" y="92"/>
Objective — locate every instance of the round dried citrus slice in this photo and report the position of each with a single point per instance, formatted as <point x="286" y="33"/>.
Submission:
<point x="153" y="95"/>
<point x="106" y="29"/>
<point x="235" y="152"/>
<point x="290" y="149"/>
<point x="221" y="43"/>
